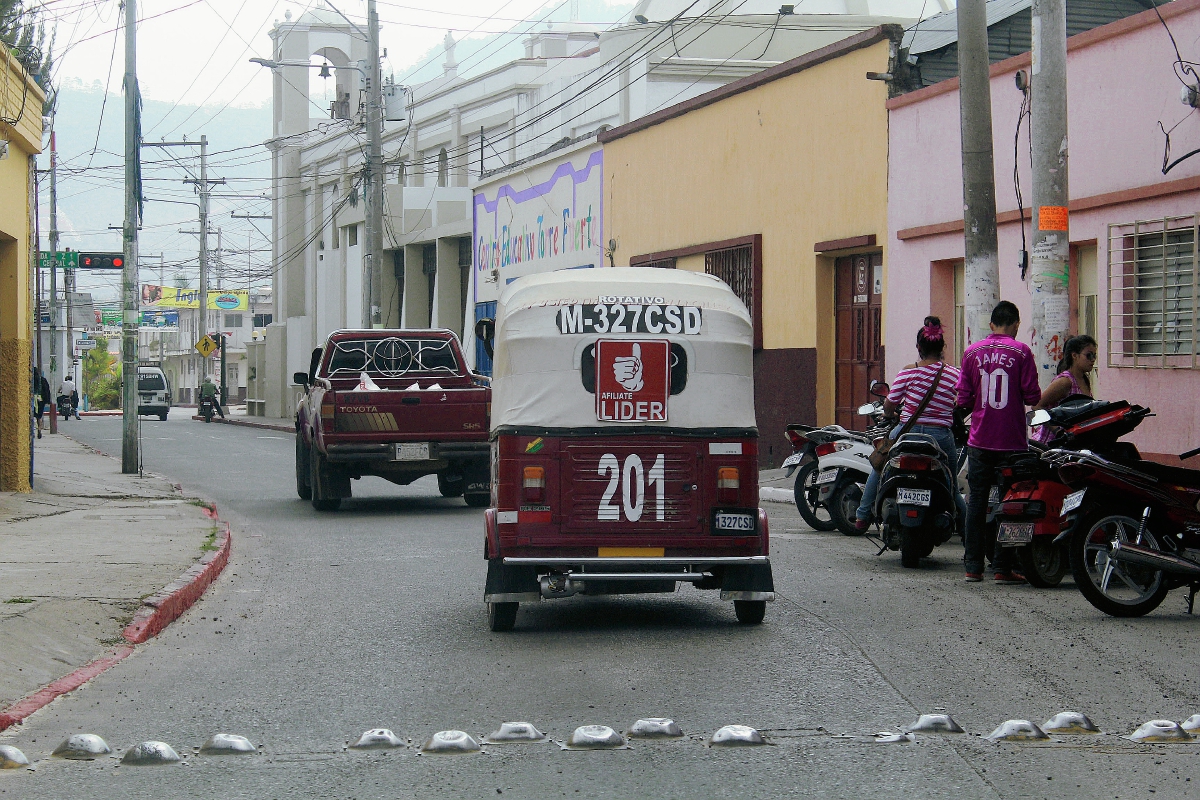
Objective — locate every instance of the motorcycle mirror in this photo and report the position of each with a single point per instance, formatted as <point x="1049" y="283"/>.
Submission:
<point x="485" y="331"/>
<point x="878" y="388"/>
<point x="1040" y="417"/>
<point x="866" y="410"/>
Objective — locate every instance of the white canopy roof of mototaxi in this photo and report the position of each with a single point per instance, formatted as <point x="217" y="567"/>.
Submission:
<point x="536" y="380"/>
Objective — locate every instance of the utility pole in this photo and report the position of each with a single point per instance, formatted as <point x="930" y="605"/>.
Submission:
<point x="68" y="289"/>
<point x="1049" y="277"/>
<point x="373" y="174"/>
<point x="55" y="378"/>
<point x="981" y="263"/>
<point x="130" y="457"/>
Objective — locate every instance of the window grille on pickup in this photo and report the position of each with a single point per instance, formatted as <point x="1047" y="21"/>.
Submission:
<point x="392" y="357"/>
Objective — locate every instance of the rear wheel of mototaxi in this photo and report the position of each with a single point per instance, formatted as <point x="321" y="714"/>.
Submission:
<point x="1044" y="563"/>
<point x="502" y="617"/>
<point x="1119" y="589"/>
<point x="818" y="518"/>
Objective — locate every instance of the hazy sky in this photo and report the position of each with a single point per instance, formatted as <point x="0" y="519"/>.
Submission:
<point x="197" y="51"/>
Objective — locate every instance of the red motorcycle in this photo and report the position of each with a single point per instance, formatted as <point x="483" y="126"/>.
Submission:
<point x="1133" y="530"/>
<point x="1031" y="494"/>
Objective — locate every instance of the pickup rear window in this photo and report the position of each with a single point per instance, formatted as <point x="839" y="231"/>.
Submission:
<point x="392" y="357"/>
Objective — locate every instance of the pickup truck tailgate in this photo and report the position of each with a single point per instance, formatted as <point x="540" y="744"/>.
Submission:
<point x="444" y="414"/>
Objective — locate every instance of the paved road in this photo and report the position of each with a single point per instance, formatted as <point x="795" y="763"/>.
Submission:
<point x="326" y="625"/>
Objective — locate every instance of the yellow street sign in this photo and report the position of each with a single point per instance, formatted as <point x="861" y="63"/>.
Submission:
<point x="206" y="346"/>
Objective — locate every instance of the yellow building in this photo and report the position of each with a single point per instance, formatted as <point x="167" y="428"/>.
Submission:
<point x="778" y="184"/>
<point x="20" y="140"/>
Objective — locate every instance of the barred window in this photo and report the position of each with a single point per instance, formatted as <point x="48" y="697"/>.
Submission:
<point x="735" y="266"/>
<point x="1152" y="285"/>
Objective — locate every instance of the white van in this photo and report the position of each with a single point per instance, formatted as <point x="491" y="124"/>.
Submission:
<point x="154" y="392"/>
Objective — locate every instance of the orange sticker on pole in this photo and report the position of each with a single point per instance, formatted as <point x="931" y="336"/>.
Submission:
<point x="1052" y="218"/>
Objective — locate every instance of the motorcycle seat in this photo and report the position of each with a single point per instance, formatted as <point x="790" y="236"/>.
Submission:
<point x="1165" y="472"/>
<point x="1072" y="411"/>
<point x="917" y="444"/>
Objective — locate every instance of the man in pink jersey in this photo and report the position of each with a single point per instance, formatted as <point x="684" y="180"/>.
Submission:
<point x="998" y="379"/>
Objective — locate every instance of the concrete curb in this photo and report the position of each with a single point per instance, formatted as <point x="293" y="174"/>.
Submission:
<point x="262" y="425"/>
<point x="157" y="613"/>
<point x="774" y="495"/>
<point x="116" y="412"/>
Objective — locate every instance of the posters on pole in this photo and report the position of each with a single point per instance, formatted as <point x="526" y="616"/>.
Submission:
<point x="156" y="297"/>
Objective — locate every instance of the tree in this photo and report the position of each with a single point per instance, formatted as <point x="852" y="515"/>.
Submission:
<point x="23" y="32"/>
<point x="101" y="376"/>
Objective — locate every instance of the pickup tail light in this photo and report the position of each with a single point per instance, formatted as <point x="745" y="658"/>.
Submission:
<point x="729" y="485"/>
<point x="534" y="484"/>
<point x="327" y="407"/>
<point x="915" y="463"/>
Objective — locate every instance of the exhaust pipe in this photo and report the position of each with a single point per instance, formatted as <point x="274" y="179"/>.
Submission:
<point x="555" y="586"/>
<point x="1144" y="556"/>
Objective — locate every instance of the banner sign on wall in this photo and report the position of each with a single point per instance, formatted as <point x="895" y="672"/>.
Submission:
<point x="160" y="320"/>
<point x="547" y="217"/>
<point x="170" y="297"/>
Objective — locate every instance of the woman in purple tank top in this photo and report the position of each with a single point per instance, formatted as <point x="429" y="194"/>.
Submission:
<point x="1079" y="358"/>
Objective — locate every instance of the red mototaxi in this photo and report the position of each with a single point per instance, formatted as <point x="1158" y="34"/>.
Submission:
<point x="623" y="440"/>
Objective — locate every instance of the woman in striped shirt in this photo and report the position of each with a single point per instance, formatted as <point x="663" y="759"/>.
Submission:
<point x="907" y="391"/>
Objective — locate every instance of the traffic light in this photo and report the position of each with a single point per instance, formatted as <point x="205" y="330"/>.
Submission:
<point x="101" y="260"/>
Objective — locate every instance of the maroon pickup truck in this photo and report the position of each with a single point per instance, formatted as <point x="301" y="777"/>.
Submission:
<point x="398" y="404"/>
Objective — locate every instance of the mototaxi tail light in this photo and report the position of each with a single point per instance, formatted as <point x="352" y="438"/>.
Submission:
<point x="729" y="485"/>
<point x="534" y="483"/>
<point x="797" y="439"/>
<point x="914" y="463"/>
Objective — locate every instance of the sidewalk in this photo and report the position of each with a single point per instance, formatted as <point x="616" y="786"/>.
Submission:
<point x="236" y="415"/>
<point x="775" y="488"/>
<point x="83" y="556"/>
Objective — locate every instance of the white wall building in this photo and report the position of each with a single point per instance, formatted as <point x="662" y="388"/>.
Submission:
<point x="502" y="127"/>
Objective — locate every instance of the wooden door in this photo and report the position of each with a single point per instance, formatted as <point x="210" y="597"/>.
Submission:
<point x="859" y="295"/>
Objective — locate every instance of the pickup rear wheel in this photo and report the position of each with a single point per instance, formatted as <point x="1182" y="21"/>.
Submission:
<point x="503" y="616"/>
<point x="319" y="482"/>
<point x="750" y="612"/>
<point x="303" y="487"/>
<point x="477" y="485"/>
<point x="451" y="484"/>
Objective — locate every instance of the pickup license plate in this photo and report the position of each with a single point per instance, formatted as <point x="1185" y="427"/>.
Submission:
<point x="1014" y="533"/>
<point x="1072" y="501"/>
<point x="735" y="522"/>
<point x="826" y="476"/>
<point x="411" y="451"/>
<point x="914" y="497"/>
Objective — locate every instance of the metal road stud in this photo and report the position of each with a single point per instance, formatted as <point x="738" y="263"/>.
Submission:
<point x="736" y="736"/>
<point x="150" y="754"/>
<point x="12" y="758"/>
<point x="378" y="739"/>
<point x="887" y="737"/>
<point x="595" y="737"/>
<point x="515" y="732"/>
<point x="1191" y="724"/>
<point x="934" y="723"/>
<point x="82" y="747"/>
<point x="1160" y="730"/>
<point x="654" y="728"/>
<point x="227" y="744"/>
<point x="1070" y="722"/>
<point x="449" y="743"/>
<point x="1017" y="730"/>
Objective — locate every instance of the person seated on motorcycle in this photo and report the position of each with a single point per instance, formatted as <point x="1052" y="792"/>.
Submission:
<point x="208" y="391"/>
<point x="1079" y="358"/>
<point x="68" y="390"/>
<point x="907" y="391"/>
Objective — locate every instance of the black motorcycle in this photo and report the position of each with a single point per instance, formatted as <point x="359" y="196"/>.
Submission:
<point x="206" y="408"/>
<point x="915" y="507"/>
<point x="66" y="408"/>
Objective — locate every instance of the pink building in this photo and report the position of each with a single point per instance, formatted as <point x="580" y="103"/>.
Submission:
<point x="1133" y="230"/>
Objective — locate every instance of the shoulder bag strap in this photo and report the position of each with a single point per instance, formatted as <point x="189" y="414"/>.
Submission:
<point x="924" y="402"/>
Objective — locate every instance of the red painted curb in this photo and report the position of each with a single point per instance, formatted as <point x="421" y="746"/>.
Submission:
<point x="43" y="697"/>
<point x="156" y="613"/>
<point x="261" y="425"/>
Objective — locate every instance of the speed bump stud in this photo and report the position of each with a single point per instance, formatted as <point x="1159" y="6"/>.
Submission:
<point x="82" y="747"/>
<point x="1160" y="730"/>
<point x="934" y="723"/>
<point x="150" y="754"/>
<point x="1017" y="730"/>
<point x="654" y="728"/>
<point x="450" y="743"/>
<point x="515" y="732"/>
<point x="1191" y="724"/>
<point x="595" y="737"/>
<point x="378" y="739"/>
<point x="736" y="736"/>
<point x="226" y="744"/>
<point x="887" y="737"/>
<point x="1070" y="722"/>
<point x="12" y="758"/>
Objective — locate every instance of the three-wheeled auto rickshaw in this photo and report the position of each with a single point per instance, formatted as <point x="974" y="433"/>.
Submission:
<point x="623" y="440"/>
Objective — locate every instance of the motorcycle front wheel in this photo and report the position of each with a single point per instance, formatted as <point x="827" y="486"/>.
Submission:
<point x="1119" y="589"/>
<point x="817" y="516"/>
<point x="843" y="508"/>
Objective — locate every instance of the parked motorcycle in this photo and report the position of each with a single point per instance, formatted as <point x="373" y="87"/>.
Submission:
<point x="916" y="507"/>
<point x="1029" y="489"/>
<point x="206" y="408"/>
<point x="830" y="462"/>
<point x="1133" y="530"/>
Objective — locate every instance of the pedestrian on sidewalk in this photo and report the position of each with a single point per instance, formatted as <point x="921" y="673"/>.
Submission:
<point x="41" y="398"/>
<point x="998" y="379"/>
<point x="907" y="391"/>
<point x="209" y="389"/>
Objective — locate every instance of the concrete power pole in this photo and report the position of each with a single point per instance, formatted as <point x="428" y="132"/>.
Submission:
<point x="373" y="174"/>
<point x="55" y="379"/>
<point x="203" y="311"/>
<point x="130" y="458"/>
<point x="981" y="265"/>
<point x="1048" y="131"/>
